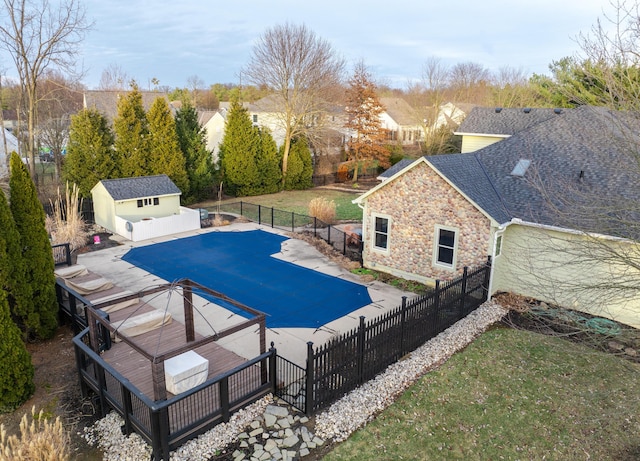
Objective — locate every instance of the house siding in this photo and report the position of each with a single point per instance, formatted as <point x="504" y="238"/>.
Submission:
<point x="474" y="143"/>
<point x="560" y="268"/>
<point x="413" y="224"/>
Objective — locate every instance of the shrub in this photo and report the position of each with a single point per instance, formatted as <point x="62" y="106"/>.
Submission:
<point x="39" y="439"/>
<point x="323" y="209"/>
<point x="67" y="227"/>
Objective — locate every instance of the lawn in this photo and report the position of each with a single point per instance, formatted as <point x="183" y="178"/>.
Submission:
<point x="511" y="395"/>
<point x="298" y="202"/>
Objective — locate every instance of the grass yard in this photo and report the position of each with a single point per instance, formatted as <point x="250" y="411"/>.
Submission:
<point x="298" y="202"/>
<point x="511" y="395"/>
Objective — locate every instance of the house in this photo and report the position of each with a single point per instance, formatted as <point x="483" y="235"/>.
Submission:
<point x="106" y="101"/>
<point x="11" y="142"/>
<point x="546" y="203"/>
<point x="401" y="121"/>
<point x="213" y="121"/>
<point x="141" y="208"/>
<point x="487" y="125"/>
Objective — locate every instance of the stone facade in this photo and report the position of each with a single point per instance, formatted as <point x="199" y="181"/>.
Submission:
<point x="415" y="203"/>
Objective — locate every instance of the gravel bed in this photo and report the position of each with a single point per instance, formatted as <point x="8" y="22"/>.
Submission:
<point x="336" y="423"/>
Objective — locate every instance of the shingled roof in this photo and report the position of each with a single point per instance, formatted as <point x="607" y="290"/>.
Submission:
<point x="577" y="159"/>
<point x="505" y="121"/>
<point x="142" y="186"/>
<point x="106" y="101"/>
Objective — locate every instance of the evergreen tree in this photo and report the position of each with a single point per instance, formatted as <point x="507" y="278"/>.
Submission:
<point x="165" y="154"/>
<point x="90" y="154"/>
<point x="16" y="379"/>
<point x="364" y="109"/>
<point x="13" y="277"/>
<point x="41" y="319"/>
<point x="237" y="152"/>
<point x="132" y="135"/>
<point x="199" y="162"/>
<point x="300" y="172"/>
<point x="268" y="163"/>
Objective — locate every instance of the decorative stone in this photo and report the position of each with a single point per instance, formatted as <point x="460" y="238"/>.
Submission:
<point x="256" y="432"/>
<point x="270" y="420"/>
<point x="290" y="441"/>
<point x="284" y="423"/>
<point x="303" y="452"/>
<point x="276" y="411"/>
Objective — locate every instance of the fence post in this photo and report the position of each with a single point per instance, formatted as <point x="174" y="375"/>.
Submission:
<point x="361" y="350"/>
<point x="272" y="217"/>
<point x="315" y="226"/>
<point x="241" y="214"/>
<point x="463" y="295"/>
<point x="329" y="233"/>
<point x="403" y="319"/>
<point x="224" y="399"/>
<point x="487" y="278"/>
<point x="308" y="398"/>
<point x="293" y="221"/>
<point x="272" y="368"/>
<point x="67" y="250"/>
<point x="259" y="214"/>
<point x="436" y="305"/>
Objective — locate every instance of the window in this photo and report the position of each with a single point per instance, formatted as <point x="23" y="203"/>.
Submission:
<point x="255" y="118"/>
<point x="445" y="247"/>
<point x="498" y="249"/>
<point x="521" y="167"/>
<point x="148" y="202"/>
<point x="381" y="233"/>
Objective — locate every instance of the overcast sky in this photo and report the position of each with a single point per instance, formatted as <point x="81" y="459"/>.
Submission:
<point x="174" y="40"/>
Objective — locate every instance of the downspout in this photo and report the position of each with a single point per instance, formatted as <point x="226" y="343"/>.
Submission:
<point x="500" y="232"/>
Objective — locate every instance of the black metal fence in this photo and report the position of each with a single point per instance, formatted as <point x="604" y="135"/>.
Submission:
<point x="85" y="209"/>
<point x="348" y="360"/>
<point x="61" y="254"/>
<point x="349" y="244"/>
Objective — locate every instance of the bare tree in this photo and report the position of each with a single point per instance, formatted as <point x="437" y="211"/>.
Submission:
<point x="114" y="78"/>
<point x="39" y="35"/>
<point x="304" y="73"/>
<point x="471" y="82"/>
<point x="58" y="100"/>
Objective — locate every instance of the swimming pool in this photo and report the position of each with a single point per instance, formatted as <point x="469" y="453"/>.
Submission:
<point x="240" y="265"/>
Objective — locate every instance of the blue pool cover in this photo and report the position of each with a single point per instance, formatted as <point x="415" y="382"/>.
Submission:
<point x="239" y="265"/>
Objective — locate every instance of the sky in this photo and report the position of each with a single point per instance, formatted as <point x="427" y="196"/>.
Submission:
<point x="175" y="40"/>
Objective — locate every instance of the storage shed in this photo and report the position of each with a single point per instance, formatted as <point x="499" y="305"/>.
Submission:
<point x="142" y="207"/>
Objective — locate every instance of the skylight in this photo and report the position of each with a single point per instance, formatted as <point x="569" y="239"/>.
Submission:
<point x="521" y="167"/>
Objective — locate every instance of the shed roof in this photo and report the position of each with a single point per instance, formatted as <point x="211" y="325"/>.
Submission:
<point x="142" y="186"/>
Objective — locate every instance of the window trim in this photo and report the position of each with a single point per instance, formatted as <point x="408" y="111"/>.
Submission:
<point x="374" y="232"/>
<point x="436" y="247"/>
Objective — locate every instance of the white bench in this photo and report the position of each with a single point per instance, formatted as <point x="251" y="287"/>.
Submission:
<point x="185" y="371"/>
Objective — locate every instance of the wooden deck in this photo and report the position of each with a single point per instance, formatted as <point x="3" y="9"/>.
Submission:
<point x="134" y="366"/>
<point x="137" y="368"/>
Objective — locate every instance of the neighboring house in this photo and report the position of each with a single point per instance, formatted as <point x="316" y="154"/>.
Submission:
<point x="487" y="125"/>
<point x="401" y="121"/>
<point x="141" y="208"/>
<point x="12" y="146"/>
<point x="106" y="102"/>
<point x="213" y="121"/>
<point x="515" y="201"/>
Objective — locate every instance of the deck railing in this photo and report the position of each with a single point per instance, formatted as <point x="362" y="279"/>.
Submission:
<point x="167" y="424"/>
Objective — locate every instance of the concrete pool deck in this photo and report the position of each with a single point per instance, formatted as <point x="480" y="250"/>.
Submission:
<point x="290" y="342"/>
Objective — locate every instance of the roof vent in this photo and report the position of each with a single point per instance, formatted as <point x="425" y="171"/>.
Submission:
<point x="498" y="110"/>
<point x="557" y="110"/>
<point x="521" y="167"/>
<point x="526" y="110"/>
